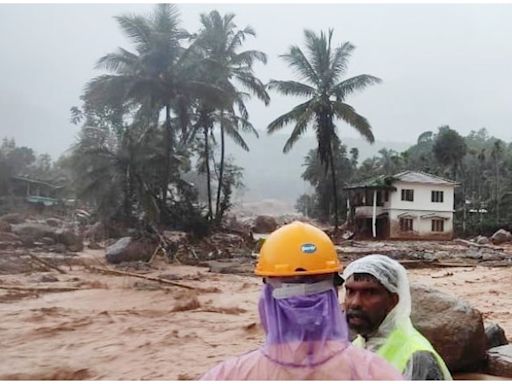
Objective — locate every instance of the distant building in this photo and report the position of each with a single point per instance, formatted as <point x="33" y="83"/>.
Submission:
<point x="35" y="191"/>
<point x="408" y="205"/>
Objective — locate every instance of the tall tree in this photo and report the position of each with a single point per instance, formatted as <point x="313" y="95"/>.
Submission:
<point x="160" y="75"/>
<point x="320" y="71"/>
<point x="220" y="41"/>
<point x="449" y="149"/>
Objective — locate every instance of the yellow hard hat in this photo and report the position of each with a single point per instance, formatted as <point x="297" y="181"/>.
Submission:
<point x="297" y="249"/>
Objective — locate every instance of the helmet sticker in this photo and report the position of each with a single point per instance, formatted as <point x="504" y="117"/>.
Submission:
<point x="308" y="248"/>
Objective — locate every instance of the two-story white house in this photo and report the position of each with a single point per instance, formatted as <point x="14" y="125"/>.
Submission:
<point x="408" y="205"/>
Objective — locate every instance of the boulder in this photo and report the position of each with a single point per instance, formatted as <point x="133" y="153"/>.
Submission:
<point x="54" y="222"/>
<point x="94" y="245"/>
<point x="31" y="232"/>
<point x="9" y="240"/>
<point x="501" y="236"/>
<point x="129" y="249"/>
<point x="499" y="361"/>
<point x="47" y="241"/>
<point x="482" y="240"/>
<point x="264" y="224"/>
<point x="9" y="236"/>
<point x="13" y="218"/>
<point x="5" y="226"/>
<point x="453" y="327"/>
<point x="48" y="279"/>
<point x="96" y="232"/>
<point x="495" y="336"/>
<point x="67" y="237"/>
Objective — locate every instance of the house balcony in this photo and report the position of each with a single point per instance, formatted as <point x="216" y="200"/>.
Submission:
<point x="367" y="212"/>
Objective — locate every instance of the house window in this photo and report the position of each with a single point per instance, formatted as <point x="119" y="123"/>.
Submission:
<point x="405" y="225"/>
<point x="437" y="225"/>
<point x="437" y="196"/>
<point x="386" y="195"/>
<point x="407" y="194"/>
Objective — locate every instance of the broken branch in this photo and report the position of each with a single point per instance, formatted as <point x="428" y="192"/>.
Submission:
<point x="157" y="279"/>
<point x="46" y="264"/>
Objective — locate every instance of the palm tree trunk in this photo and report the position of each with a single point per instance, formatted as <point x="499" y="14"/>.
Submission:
<point x="221" y="168"/>
<point x="334" y="188"/>
<point x="168" y="149"/>
<point x="497" y="192"/>
<point x="208" y="176"/>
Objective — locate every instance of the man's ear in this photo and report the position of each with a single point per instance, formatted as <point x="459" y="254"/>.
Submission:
<point x="394" y="300"/>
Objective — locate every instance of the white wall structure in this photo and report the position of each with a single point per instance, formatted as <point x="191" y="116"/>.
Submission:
<point x="411" y="219"/>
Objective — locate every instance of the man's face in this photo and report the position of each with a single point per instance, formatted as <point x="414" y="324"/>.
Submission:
<point x="367" y="303"/>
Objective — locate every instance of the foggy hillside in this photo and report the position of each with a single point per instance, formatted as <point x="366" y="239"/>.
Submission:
<point x="270" y="174"/>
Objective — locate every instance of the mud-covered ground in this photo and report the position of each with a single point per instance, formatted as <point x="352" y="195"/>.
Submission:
<point x="127" y="328"/>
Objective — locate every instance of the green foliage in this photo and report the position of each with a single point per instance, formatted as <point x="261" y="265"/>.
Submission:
<point x="481" y="164"/>
<point x="154" y="110"/>
<point x="320" y="71"/>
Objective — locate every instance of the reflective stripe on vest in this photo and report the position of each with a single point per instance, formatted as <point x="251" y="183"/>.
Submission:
<point x="400" y="346"/>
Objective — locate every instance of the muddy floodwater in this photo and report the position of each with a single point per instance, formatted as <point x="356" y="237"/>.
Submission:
<point x="126" y="328"/>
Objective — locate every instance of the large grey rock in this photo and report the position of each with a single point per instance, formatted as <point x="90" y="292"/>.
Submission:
<point x="96" y="232"/>
<point x="474" y="253"/>
<point x="13" y="218"/>
<point x="9" y="236"/>
<point x="501" y="236"/>
<point x="54" y="222"/>
<point x="495" y="336"/>
<point x="9" y="240"/>
<point x="499" y="361"/>
<point x="31" y="232"/>
<point x="128" y="249"/>
<point x="453" y="327"/>
<point x="482" y="240"/>
<point x="67" y="237"/>
<point x="264" y="224"/>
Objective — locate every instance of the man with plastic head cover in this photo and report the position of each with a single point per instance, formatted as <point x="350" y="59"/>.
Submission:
<point x="306" y="330"/>
<point x="378" y="309"/>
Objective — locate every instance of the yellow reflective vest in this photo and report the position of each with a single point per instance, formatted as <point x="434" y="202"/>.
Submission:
<point x="400" y="346"/>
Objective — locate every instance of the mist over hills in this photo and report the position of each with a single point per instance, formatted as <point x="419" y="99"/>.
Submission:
<point x="271" y="174"/>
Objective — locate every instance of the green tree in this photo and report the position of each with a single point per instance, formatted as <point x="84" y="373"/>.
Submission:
<point x="449" y="149"/>
<point x="320" y="71"/>
<point x="228" y="68"/>
<point x="160" y="75"/>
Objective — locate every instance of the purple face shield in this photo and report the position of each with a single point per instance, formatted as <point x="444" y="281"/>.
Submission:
<point x="302" y="330"/>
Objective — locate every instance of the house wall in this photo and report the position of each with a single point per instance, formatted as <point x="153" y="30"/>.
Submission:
<point x="422" y="227"/>
<point x="422" y="197"/>
<point x="422" y="205"/>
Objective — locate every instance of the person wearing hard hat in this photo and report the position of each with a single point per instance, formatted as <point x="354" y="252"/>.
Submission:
<point x="378" y="307"/>
<point x="306" y="331"/>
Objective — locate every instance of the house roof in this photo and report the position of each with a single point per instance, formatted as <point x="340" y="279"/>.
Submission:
<point x="379" y="182"/>
<point x="34" y="181"/>
<point x="423" y="177"/>
<point x="386" y="182"/>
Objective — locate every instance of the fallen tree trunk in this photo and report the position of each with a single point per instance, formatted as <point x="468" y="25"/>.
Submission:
<point x="46" y="264"/>
<point x="471" y="244"/>
<point x="122" y="273"/>
<point x="38" y="289"/>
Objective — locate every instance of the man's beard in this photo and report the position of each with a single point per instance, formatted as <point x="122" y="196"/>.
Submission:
<point x="363" y="323"/>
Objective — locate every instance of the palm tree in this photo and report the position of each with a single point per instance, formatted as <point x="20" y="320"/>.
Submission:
<point x="160" y="75"/>
<point x="389" y="161"/>
<point x="321" y="70"/>
<point x="219" y="40"/>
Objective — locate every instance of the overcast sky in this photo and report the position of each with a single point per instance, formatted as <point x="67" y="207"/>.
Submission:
<point x="441" y="64"/>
